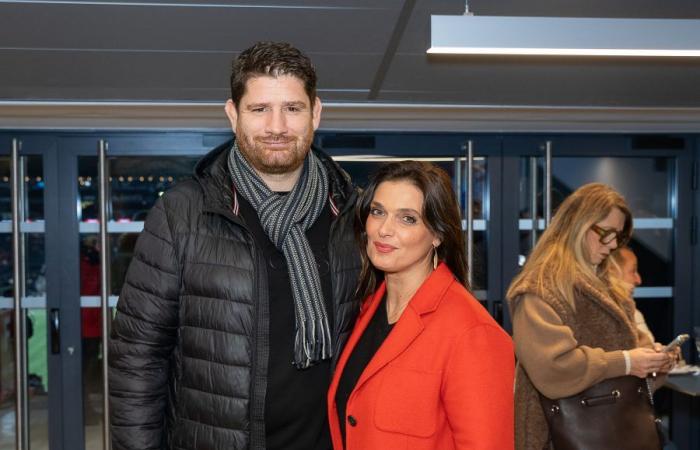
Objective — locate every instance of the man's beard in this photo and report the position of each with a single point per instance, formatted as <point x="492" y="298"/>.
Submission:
<point x="274" y="161"/>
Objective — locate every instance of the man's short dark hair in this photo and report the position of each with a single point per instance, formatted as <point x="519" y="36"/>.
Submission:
<point x="272" y="59"/>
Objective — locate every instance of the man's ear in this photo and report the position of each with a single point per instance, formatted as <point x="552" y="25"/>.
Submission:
<point x="316" y="113"/>
<point x="231" y="113"/>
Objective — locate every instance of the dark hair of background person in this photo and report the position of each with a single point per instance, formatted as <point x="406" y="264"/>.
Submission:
<point x="273" y="59"/>
<point x="440" y="214"/>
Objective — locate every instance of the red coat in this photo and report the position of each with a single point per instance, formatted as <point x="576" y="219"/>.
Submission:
<point x="442" y="379"/>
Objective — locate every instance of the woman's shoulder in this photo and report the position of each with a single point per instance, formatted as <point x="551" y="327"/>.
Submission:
<point x="461" y="310"/>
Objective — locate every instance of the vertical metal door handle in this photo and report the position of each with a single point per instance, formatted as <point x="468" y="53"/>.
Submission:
<point x="104" y="285"/>
<point x="548" y="187"/>
<point x="55" y="326"/>
<point x="20" y="315"/>
<point x="533" y="201"/>
<point x="470" y="213"/>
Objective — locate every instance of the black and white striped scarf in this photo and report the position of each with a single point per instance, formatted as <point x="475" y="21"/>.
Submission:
<point x="285" y="219"/>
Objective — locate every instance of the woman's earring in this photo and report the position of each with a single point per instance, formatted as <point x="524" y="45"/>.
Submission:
<point x="435" y="258"/>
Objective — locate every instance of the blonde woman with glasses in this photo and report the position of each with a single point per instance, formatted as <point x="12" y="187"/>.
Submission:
<point x="573" y="320"/>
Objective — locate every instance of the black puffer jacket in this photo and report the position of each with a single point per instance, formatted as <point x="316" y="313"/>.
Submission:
<point x="189" y="347"/>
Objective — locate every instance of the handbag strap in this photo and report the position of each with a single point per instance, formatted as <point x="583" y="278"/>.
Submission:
<point x="650" y="393"/>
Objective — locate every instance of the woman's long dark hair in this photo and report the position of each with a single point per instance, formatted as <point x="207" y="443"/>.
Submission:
<point x="440" y="214"/>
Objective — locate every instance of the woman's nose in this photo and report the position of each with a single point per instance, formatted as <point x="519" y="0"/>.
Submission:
<point x="385" y="229"/>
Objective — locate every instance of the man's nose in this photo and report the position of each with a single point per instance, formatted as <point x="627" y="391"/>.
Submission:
<point x="277" y="122"/>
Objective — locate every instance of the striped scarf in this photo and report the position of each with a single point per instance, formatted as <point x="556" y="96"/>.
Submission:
<point x="285" y="218"/>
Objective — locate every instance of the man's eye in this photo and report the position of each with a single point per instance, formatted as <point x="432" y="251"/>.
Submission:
<point x="293" y="109"/>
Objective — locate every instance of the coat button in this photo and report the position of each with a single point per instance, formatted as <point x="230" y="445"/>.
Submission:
<point x="352" y="421"/>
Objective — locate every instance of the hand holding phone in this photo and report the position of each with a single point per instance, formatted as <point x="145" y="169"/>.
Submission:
<point x="676" y="342"/>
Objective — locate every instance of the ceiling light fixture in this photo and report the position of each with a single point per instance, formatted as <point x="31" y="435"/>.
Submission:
<point x="564" y="36"/>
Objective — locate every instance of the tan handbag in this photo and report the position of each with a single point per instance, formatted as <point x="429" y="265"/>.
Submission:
<point x="615" y="414"/>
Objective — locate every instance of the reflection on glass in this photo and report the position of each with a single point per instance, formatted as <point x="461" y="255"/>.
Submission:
<point x="658" y="314"/>
<point x="37" y="379"/>
<point x="35" y="268"/>
<point x="644" y="182"/>
<point x="7" y="380"/>
<point x="480" y="264"/>
<point x="654" y="250"/>
<point x="91" y="339"/>
<point x="121" y="252"/>
<point x="524" y="247"/>
<point x="92" y="379"/>
<point x="531" y="207"/>
<point x="135" y="184"/>
<point x="361" y="169"/>
<point x="33" y="203"/>
<point x="34" y="285"/>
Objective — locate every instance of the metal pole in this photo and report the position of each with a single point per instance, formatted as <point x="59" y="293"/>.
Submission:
<point x="104" y="285"/>
<point x="533" y="201"/>
<point x="548" y="181"/>
<point x="470" y="212"/>
<point x="20" y="317"/>
<point x="458" y="180"/>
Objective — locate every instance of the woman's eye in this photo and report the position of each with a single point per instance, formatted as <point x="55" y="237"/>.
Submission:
<point x="376" y="212"/>
<point x="409" y="220"/>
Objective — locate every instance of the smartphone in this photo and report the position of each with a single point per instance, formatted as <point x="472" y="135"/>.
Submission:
<point x="680" y="339"/>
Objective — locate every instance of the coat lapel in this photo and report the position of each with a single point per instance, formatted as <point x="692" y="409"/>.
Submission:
<point x="367" y="310"/>
<point x="410" y="324"/>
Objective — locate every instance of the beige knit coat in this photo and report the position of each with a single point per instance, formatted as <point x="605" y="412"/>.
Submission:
<point x="562" y="351"/>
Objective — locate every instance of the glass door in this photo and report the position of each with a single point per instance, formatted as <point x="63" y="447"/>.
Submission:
<point x="139" y="169"/>
<point x="24" y="351"/>
<point x="135" y="183"/>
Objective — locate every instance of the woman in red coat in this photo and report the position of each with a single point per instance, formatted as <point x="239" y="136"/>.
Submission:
<point x="426" y="367"/>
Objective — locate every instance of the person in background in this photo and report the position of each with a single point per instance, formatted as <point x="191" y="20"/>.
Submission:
<point x="626" y="260"/>
<point x="91" y="327"/>
<point x="573" y="319"/>
<point x="425" y="367"/>
<point x="239" y="295"/>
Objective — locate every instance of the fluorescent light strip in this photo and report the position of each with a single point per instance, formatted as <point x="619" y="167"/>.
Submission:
<point x="562" y="51"/>
<point x="564" y="36"/>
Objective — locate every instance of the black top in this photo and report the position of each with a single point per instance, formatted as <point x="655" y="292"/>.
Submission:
<point x="374" y="335"/>
<point x="295" y="403"/>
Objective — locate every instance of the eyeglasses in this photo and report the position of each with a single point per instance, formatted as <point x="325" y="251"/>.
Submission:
<point x="607" y="236"/>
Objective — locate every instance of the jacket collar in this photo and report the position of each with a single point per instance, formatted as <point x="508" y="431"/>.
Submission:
<point x="426" y="300"/>
<point x="620" y="311"/>
<point x="211" y="172"/>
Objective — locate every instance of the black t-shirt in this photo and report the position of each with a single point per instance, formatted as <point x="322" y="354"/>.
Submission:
<point x="295" y="403"/>
<point x="376" y="332"/>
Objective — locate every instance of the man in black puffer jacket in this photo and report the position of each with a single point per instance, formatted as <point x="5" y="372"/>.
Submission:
<point x="240" y="294"/>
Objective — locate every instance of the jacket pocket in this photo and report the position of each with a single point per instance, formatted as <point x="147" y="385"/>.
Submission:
<point x="408" y="402"/>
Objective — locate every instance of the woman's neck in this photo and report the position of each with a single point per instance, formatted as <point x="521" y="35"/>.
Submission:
<point x="400" y="288"/>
